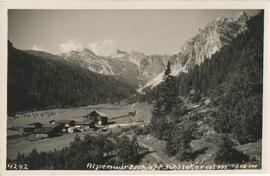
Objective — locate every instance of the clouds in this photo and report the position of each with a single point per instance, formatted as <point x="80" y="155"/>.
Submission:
<point x="38" y="48"/>
<point x="69" y="45"/>
<point x="103" y="47"/>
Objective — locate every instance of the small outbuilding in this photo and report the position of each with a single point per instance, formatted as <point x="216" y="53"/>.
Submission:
<point x="132" y="113"/>
<point x="36" y="125"/>
<point x="73" y="130"/>
<point x="31" y="128"/>
<point x="49" y="131"/>
<point x="52" y="122"/>
<point x="85" y="125"/>
<point x="98" y="117"/>
<point x="68" y="123"/>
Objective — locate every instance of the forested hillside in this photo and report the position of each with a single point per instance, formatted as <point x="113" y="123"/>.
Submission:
<point x="40" y="80"/>
<point x="232" y="79"/>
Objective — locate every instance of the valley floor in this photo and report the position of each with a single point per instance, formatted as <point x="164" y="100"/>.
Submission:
<point x="119" y="113"/>
<point x="205" y="146"/>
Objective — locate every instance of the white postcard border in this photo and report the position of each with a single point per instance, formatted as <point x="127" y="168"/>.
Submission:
<point x="132" y="4"/>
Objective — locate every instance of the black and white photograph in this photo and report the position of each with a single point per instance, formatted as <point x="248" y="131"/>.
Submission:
<point x="134" y="89"/>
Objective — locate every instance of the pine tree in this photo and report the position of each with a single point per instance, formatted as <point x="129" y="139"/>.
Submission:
<point x="168" y="70"/>
<point x="165" y="103"/>
<point x="169" y="90"/>
<point x="158" y="121"/>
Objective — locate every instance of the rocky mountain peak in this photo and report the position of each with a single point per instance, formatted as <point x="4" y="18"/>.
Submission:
<point x="119" y="54"/>
<point x="118" y="51"/>
<point x="242" y="16"/>
<point x="209" y="39"/>
<point x="88" y="52"/>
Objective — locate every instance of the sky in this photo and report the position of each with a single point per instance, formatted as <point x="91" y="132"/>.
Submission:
<point x="103" y="31"/>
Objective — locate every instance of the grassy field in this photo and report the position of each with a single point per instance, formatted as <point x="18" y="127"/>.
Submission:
<point x="114" y="111"/>
<point x="206" y="144"/>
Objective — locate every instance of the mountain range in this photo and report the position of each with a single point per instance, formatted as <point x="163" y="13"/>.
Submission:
<point x="142" y="71"/>
<point x="86" y="76"/>
<point x="133" y="67"/>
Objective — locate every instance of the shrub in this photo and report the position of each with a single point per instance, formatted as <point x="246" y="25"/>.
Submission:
<point x="227" y="153"/>
<point x="178" y="142"/>
<point x="128" y="150"/>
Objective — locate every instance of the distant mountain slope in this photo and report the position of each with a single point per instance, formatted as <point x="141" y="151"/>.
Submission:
<point x="210" y="39"/>
<point x="132" y="67"/>
<point x="89" y="60"/>
<point x="39" y="79"/>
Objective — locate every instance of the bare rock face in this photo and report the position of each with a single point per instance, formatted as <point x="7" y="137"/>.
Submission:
<point x="90" y="60"/>
<point x="135" y="66"/>
<point x="209" y="39"/>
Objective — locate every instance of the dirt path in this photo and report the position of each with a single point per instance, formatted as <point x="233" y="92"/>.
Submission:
<point x="158" y="146"/>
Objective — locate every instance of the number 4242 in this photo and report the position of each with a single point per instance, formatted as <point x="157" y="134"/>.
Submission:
<point x="17" y="166"/>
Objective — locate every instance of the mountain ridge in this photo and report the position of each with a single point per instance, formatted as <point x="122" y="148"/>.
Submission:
<point x="210" y="38"/>
<point x="141" y="70"/>
<point x="40" y="80"/>
<point x="133" y="66"/>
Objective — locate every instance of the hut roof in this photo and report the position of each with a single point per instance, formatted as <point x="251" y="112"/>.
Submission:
<point x="84" y="123"/>
<point x="44" y="130"/>
<point x="35" y="123"/>
<point x="66" y="121"/>
<point x="102" y="114"/>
